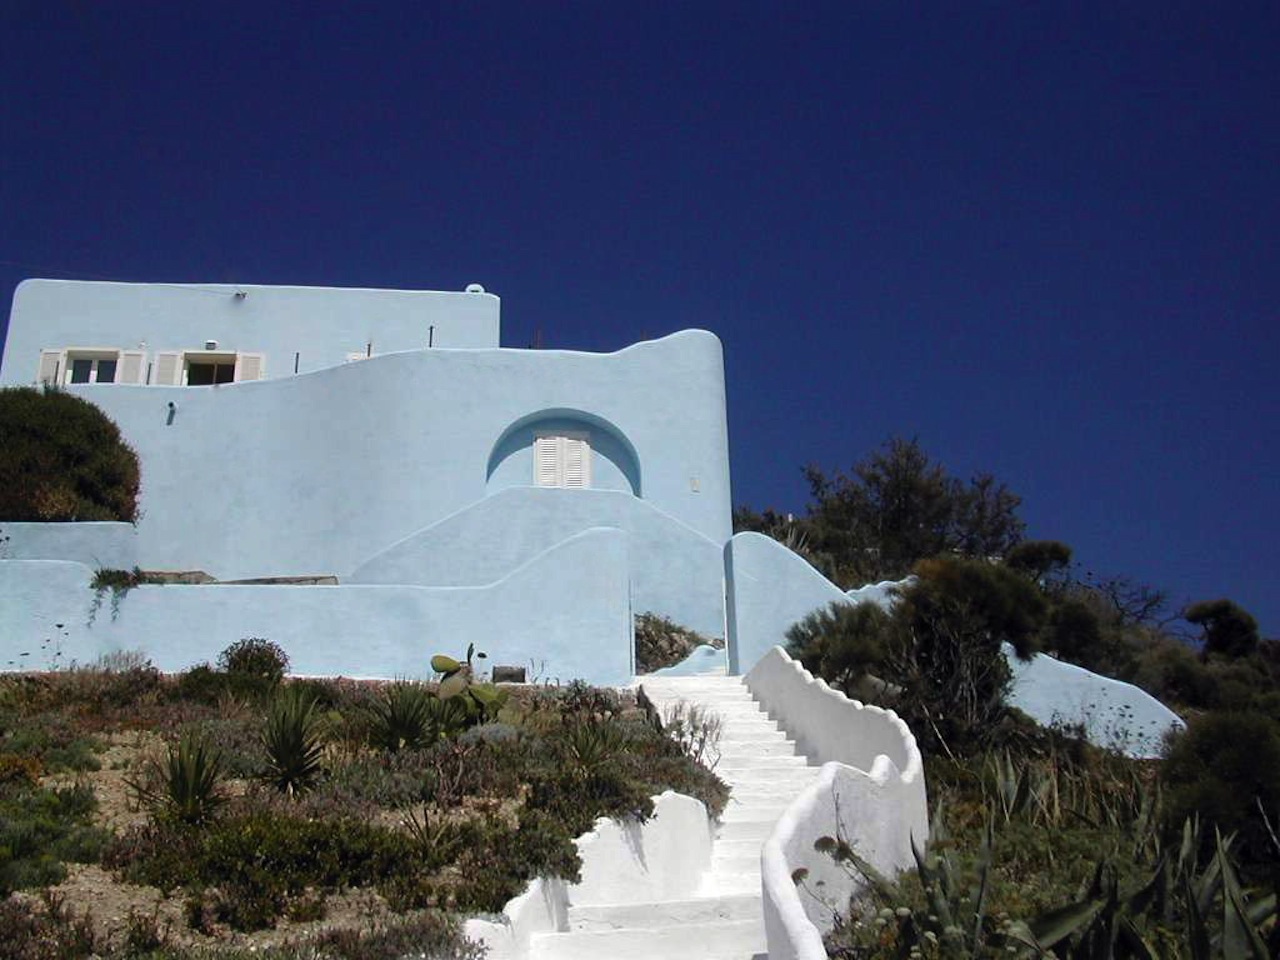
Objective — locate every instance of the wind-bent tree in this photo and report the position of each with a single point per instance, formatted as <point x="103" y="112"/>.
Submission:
<point x="61" y="458"/>
<point x="1229" y="629"/>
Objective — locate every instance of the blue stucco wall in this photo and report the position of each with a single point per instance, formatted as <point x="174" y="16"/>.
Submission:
<point x="768" y="588"/>
<point x="675" y="570"/>
<point x="320" y="324"/>
<point x="315" y="474"/>
<point x="99" y="545"/>
<point x="565" y="615"/>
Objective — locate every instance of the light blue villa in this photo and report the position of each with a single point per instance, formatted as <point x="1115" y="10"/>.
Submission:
<point x="529" y="501"/>
<point x="423" y="488"/>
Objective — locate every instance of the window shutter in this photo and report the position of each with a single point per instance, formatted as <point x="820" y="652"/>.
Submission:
<point x="168" y="369"/>
<point x="50" y="367"/>
<point x="249" y="366"/>
<point x="133" y="366"/>
<point x="577" y="462"/>
<point x="546" y="462"/>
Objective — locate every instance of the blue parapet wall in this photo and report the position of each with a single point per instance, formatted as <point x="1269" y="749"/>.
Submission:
<point x="564" y="615"/>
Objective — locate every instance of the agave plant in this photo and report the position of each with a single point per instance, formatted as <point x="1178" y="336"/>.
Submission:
<point x="406" y="717"/>
<point x="293" y="741"/>
<point x="187" y="785"/>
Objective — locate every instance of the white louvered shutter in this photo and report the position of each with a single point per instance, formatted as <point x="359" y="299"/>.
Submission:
<point x="546" y="462"/>
<point x="168" y="369"/>
<point x="133" y="366"/>
<point x="250" y="366"/>
<point x="50" y="367"/>
<point x="576" y="458"/>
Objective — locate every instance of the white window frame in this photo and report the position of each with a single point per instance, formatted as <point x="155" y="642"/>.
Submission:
<point x="562" y="458"/>
<point x="57" y="366"/>
<point x="173" y="367"/>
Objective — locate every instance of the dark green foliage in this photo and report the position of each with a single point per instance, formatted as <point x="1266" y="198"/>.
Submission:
<point x="483" y="701"/>
<point x="897" y="508"/>
<point x="1074" y="633"/>
<point x="1226" y="769"/>
<point x="841" y="643"/>
<point x="253" y="666"/>
<point x="1229" y="630"/>
<point x="946" y="651"/>
<point x="1039" y="559"/>
<point x="660" y="642"/>
<point x="291" y="739"/>
<point x="63" y="459"/>
<point x="42" y="828"/>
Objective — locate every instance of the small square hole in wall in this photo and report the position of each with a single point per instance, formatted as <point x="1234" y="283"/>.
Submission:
<point x="694" y="484"/>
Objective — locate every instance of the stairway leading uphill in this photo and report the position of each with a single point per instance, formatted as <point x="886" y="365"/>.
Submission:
<point x="724" y="921"/>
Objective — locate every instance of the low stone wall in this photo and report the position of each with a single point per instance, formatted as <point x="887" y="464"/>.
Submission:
<point x="871" y="792"/>
<point x="661" y="859"/>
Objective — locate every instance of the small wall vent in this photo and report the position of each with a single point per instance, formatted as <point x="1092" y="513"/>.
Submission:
<point x="211" y="344"/>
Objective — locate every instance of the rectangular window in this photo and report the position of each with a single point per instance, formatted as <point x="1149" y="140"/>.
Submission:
<point x="204" y="374"/>
<point x="562" y="460"/>
<point x="91" y="368"/>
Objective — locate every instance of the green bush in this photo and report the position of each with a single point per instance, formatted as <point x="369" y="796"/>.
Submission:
<point x="64" y="459"/>
<point x="40" y="829"/>
<point x="187" y="786"/>
<point x="1226" y="769"/>
<point x="841" y="643"/>
<point x="660" y="642"/>
<point x="254" y="666"/>
<point x="405" y="717"/>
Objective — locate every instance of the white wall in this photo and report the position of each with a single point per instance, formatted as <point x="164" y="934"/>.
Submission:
<point x="1114" y="714"/>
<point x="871" y="792"/>
<point x="675" y="571"/>
<point x="661" y="859"/>
<point x="100" y="545"/>
<point x="320" y="324"/>
<point x="316" y="474"/>
<point x="768" y="588"/>
<point x="564" y="615"/>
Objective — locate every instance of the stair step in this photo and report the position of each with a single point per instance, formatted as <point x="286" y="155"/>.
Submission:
<point x="756" y="830"/>
<point x="718" y="940"/>
<point x="757" y="748"/>
<point x="664" y="913"/>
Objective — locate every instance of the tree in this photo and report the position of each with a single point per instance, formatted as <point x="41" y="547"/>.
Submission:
<point x="899" y="507"/>
<point x="1229" y="629"/>
<point x="63" y="459"/>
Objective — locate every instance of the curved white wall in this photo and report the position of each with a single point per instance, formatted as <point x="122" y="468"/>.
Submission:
<point x="675" y="571"/>
<point x="661" y="859"/>
<point x="1114" y="714"/>
<point x="768" y="588"/>
<point x="871" y="792"/>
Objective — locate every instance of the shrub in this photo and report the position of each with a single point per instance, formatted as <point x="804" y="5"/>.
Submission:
<point x="254" y="666"/>
<point x="661" y="642"/>
<point x="40" y="829"/>
<point x="841" y="643"/>
<point x="1226" y="769"/>
<point x="64" y="459"/>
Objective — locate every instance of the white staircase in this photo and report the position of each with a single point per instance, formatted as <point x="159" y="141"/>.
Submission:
<point x="724" y="921"/>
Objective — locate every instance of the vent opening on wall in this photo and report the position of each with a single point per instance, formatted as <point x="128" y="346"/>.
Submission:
<point x="211" y="344"/>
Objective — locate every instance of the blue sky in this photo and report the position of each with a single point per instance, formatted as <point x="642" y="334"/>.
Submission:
<point x="1042" y="238"/>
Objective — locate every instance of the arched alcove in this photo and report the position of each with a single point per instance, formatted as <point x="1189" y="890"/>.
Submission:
<point x="614" y="463"/>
